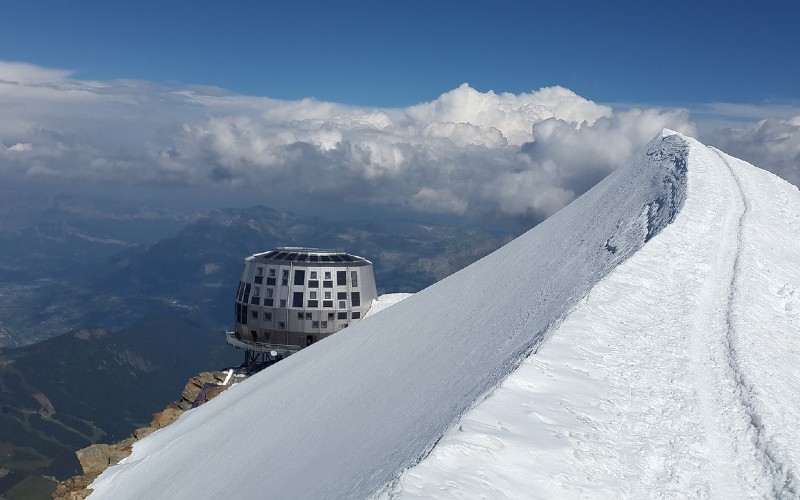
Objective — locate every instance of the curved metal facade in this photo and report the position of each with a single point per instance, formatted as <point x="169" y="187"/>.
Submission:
<point x="289" y="298"/>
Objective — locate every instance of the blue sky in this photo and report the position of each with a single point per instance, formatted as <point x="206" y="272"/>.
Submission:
<point x="486" y="111"/>
<point x="401" y="53"/>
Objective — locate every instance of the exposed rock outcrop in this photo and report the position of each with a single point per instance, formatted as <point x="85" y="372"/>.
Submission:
<point x="96" y="458"/>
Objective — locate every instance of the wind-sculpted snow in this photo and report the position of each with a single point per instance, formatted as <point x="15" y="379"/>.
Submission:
<point x="675" y="378"/>
<point x="344" y="417"/>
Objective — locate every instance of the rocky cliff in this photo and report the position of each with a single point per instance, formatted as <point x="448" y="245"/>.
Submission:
<point x="96" y="458"/>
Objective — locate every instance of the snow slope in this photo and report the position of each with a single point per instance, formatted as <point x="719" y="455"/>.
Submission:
<point x="677" y="377"/>
<point x="344" y="417"/>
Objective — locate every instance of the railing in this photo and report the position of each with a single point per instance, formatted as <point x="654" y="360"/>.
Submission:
<point x="249" y="345"/>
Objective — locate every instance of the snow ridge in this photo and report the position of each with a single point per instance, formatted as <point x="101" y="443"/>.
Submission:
<point x="662" y="210"/>
<point x="676" y="376"/>
<point x="783" y="479"/>
<point x="344" y="417"/>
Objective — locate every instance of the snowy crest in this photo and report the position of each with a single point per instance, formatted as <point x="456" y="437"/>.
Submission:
<point x="346" y="416"/>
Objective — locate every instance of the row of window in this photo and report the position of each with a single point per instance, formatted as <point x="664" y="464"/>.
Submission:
<point x="297" y="298"/>
<point x="313" y="280"/>
<point x="242" y="316"/>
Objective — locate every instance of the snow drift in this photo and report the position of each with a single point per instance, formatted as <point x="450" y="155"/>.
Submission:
<point x="345" y="417"/>
<point x="675" y="378"/>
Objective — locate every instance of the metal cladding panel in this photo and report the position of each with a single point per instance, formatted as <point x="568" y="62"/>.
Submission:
<point x="290" y="306"/>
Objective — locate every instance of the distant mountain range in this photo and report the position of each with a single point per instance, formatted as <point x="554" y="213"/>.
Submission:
<point x="144" y="296"/>
<point x="75" y="264"/>
<point x="93" y="385"/>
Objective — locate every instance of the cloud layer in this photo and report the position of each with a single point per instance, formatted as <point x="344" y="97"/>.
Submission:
<point x="467" y="153"/>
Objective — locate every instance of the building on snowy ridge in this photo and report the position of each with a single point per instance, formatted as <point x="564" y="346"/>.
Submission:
<point x="291" y="297"/>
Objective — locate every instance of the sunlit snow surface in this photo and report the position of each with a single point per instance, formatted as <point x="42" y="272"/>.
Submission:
<point x="676" y="376"/>
<point x="384" y="301"/>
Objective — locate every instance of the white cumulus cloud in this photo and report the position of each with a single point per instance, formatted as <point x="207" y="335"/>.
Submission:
<point x="468" y="153"/>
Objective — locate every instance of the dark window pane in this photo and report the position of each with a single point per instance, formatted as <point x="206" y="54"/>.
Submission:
<point x="341" y="295"/>
<point x="313" y="283"/>
<point x="268" y="302"/>
<point x="271" y="281"/>
<point x="258" y="280"/>
<point x="341" y="315"/>
<point x="327" y="303"/>
<point x="299" y="277"/>
<point x="297" y="299"/>
<point x="313" y="303"/>
<point x="355" y="299"/>
<point x="356" y="315"/>
<point x="327" y="284"/>
<point x="255" y="300"/>
<point x="341" y="278"/>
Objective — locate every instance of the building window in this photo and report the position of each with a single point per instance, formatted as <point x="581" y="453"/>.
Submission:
<point x="254" y="334"/>
<point x="254" y="314"/>
<point x="271" y="281"/>
<point x="341" y="278"/>
<point x="259" y="271"/>
<point x="323" y="324"/>
<point x="327" y="275"/>
<point x="341" y="315"/>
<point x="356" y="315"/>
<point x="285" y="277"/>
<point x="299" y="315"/>
<point x="256" y="291"/>
<point x="327" y="303"/>
<point x="269" y="293"/>
<point x="342" y="304"/>
<point x="308" y="316"/>
<point x="355" y="299"/>
<point x="281" y="325"/>
<point x="341" y="295"/>
<point x="354" y="278"/>
<point x="271" y="272"/>
<point x="267" y="316"/>
<point x="327" y="295"/>
<point x="315" y="324"/>
<point x="268" y="302"/>
<point x="330" y="316"/>
<point x="246" y="293"/>
<point x="313" y="275"/>
<point x="255" y="301"/>
<point x="312" y="295"/>
<point x="327" y="284"/>
<point x="297" y="299"/>
<point x="240" y="293"/>
<point x="283" y="302"/>
<point x="258" y="280"/>
<point x="299" y="277"/>
<point x="313" y="283"/>
<point x="313" y="303"/>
